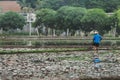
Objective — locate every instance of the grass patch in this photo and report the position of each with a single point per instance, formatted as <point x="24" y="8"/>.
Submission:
<point x="41" y="50"/>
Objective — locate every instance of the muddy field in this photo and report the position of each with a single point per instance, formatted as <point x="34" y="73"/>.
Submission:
<point x="59" y="66"/>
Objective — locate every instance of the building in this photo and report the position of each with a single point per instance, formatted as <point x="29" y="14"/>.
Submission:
<point x="9" y="5"/>
<point x="12" y="5"/>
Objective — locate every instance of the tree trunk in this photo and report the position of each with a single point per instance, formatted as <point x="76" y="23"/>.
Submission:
<point x="53" y="32"/>
<point x="67" y="32"/>
<point x="114" y="32"/>
<point x="1" y="30"/>
<point x="37" y="32"/>
<point x="46" y="31"/>
<point x="79" y="32"/>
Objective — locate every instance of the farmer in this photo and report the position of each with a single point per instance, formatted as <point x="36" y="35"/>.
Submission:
<point x="96" y="41"/>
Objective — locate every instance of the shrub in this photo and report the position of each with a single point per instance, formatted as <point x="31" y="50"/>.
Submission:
<point x="118" y="43"/>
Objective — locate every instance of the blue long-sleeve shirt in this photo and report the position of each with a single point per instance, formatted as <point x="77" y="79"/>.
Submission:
<point x="97" y="38"/>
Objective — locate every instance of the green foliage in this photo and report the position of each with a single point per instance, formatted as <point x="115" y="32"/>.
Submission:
<point x="70" y="17"/>
<point x="52" y="4"/>
<point x="107" y="5"/>
<point x="12" y="43"/>
<point x="115" y="21"/>
<point x="118" y="43"/>
<point x="41" y="50"/>
<point x="58" y="42"/>
<point x="27" y="3"/>
<point x="46" y="16"/>
<point x="95" y="19"/>
<point x="69" y="14"/>
<point x="12" y="20"/>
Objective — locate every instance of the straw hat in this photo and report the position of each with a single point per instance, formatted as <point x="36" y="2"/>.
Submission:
<point x="96" y="32"/>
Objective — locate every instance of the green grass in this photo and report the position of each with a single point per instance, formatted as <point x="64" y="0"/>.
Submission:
<point x="42" y="50"/>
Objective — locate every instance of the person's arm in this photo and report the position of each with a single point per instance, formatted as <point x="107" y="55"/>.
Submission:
<point x="93" y="38"/>
<point x="100" y="37"/>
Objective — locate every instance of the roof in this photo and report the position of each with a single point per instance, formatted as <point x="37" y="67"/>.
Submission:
<point x="6" y="6"/>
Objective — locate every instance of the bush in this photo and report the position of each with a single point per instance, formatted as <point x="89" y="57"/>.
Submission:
<point x="118" y="43"/>
<point x="13" y="43"/>
<point x="58" y="43"/>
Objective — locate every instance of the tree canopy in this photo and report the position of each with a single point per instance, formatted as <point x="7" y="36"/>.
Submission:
<point x="11" y="20"/>
<point x="69" y="17"/>
<point x="27" y="3"/>
<point x="85" y="15"/>
<point x="107" y="5"/>
<point x="46" y="16"/>
<point x="95" y="19"/>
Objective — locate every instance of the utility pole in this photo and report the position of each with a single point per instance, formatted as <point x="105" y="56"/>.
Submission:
<point x="30" y="24"/>
<point x="30" y="18"/>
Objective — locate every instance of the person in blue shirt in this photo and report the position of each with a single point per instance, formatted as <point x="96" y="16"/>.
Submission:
<point x="96" y="41"/>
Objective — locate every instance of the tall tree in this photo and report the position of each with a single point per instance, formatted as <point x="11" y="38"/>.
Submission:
<point x="46" y="17"/>
<point x="70" y="17"/>
<point x="107" y="5"/>
<point x="95" y="19"/>
<point x="75" y="3"/>
<point x="27" y="3"/>
<point x="12" y="20"/>
<point x="115" y="21"/>
<point x="53" y="4"/>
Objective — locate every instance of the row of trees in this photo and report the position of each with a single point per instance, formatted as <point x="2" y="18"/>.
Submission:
<point x="106" y="5"/>
<point x="66" y="19"/>
<point x="72" y="15"/>
<point x="78" y="15"/>
<point x="72" y="19"/>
